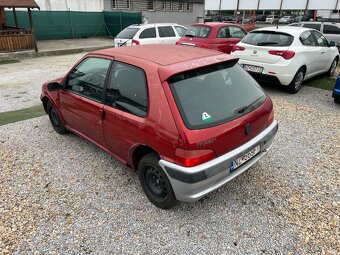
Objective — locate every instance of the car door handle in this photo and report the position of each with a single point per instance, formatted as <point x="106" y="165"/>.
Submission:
<point x="323" y="52"/>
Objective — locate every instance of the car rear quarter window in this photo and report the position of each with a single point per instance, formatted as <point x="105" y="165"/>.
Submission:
<point x="313" y="26"/>
<point x="268" y="38"/>
<point x="166" y="31"/>
<point x="127" y="33"/>
<point x="180" y="30"/>
<point x="87" y="79"/>
<point x="330" y="29"/>
<point x="148" y="33"/>
<point x="307" y="39"/>
<point x="127" y="89"/>
<point x="214" y="95"/>
<point x="198" y="31"/>
<point x="236" y="32"/>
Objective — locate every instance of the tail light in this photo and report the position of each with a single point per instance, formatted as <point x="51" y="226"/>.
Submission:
<point x="177" y="43"/>
<point x="237" y="48"/>
<point x="190" y="158"/>
<point x="134" y="42"/>
<point x="285" y="54"/>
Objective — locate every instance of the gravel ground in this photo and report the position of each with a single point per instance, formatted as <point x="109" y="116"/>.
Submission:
<point x="62" y="195"/>
<point x="20" y="83"/>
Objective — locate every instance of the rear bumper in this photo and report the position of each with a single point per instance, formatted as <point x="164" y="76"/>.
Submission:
<point x="191" y="184"/>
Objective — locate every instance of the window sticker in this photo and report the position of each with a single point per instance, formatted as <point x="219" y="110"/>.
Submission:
<point x="206" y="117"/>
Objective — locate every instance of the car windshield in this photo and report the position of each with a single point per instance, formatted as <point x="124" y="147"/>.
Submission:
<point x="127" y="33"/>
<point x="198" y="31"/>
<point x="266" y="38"/>
<point x="214" y="95"/>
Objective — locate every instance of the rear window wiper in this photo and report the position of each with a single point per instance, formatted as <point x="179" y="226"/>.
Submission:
<point x="189" y="35"/>
<point x="243" y="109"/>
<point x="266" y="43"/>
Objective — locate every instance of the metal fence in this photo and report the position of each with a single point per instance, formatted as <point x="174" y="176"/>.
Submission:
<point x="71" y="24"/>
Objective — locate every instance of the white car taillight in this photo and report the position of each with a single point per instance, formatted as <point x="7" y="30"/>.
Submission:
<point x="286" y="54"/>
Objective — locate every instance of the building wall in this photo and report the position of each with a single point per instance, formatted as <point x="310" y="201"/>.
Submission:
<point x="182" y="18"/>
<point x="73" y="5"/>
<point x="191" y="13"/>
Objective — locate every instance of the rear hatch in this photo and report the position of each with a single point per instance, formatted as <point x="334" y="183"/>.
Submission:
<point x="215" y="103"/>
<point x="196" y="36"/>
<point x="124" y="38"/>
<point x="263" y="46"/>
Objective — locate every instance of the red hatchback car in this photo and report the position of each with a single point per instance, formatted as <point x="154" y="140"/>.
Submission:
<point x="215" y="35"/>
<point x="188" y="119"/>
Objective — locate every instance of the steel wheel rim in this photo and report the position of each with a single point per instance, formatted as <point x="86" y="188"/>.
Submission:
<point x="298" y="80"/>
<point x="155" y="182"/>
<point x="333" y="67"/>
<point x="54" y="117"/>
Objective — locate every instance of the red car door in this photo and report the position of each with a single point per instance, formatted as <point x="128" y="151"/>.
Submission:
<point x="226" y="38"/>
<point x="81" y="102"/>
<point x="126" y="107"/>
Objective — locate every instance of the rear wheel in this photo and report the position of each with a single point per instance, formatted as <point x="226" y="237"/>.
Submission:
<point x="55" y="119"/>
<point x="296" y="83"/>
<point x="155" y="183"/>
<point x="332" y="68"/>
<point x="337" y="100"/>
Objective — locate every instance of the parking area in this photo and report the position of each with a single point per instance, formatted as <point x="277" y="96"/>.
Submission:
<point x="63" y="195"/>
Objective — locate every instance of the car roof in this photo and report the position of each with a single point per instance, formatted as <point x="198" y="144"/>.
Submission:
<point x="215" y="24"/>
<point x="285" y="29"/>
<point x="153" y="25"/>
<point x="318" y="22"/>
<point x="171" y="59"/>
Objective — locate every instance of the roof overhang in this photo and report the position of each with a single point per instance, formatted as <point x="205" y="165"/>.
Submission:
<point x="19" y="4"/>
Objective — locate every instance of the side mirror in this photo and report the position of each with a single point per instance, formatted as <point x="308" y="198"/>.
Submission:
<point x="54" y="86"/>
<point x="332" y="44"/>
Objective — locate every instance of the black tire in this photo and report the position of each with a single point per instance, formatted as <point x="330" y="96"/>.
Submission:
<point x="55" y="119"/>
<point x="155" y="183"/>
<point x="297" y="81"/>
<point x="332" y="68"/>
<point x="337" y="100"/>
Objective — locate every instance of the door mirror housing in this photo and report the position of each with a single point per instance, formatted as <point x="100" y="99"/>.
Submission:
<point x="54" y="86"/>
<point x="332" y="44"/>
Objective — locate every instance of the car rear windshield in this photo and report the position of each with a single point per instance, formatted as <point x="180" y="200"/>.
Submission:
<point x="127" y="33"/>
<point x="214" y="95"/>
<point x="198" y="31"/>
<point x="268" y="38"/>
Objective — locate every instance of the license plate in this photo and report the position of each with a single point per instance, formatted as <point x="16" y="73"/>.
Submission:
<point x="255" y="69"/>
<point x="244" y="158"/>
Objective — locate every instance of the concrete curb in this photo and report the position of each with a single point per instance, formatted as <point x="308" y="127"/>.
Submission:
<point x="33" y="54"/>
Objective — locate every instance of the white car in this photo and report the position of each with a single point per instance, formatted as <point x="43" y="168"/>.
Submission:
<point x="158" y="33"/>
<point x="272" y="18"/>
<point x="286" y="55"/>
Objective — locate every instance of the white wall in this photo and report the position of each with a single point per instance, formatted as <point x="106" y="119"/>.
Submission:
<point x="73" y="5"/>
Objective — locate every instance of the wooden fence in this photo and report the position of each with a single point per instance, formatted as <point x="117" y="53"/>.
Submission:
<point x="16" y="40"/>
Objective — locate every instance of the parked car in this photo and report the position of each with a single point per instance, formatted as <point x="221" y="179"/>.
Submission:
<point x="330" y="30"/>
<point x="217" y="36"/>
<point x="160" y="33"/>
<point x="188" y="119"/>
<point x="261" y="18"/>
<point x="287" y="19"/>
<point x="272" y="18"/>
<point x="287" y="55"/>
<point x="336" y="91"/>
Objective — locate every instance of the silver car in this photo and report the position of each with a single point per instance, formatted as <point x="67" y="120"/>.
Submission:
<point x="330" y="30"/>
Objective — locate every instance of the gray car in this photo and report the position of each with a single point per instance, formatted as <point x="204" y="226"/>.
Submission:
<point x="330" y="30"/>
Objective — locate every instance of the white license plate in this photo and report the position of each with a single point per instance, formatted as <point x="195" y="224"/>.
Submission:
<point x="244" y="158"/>
<point x="255" y="69"/>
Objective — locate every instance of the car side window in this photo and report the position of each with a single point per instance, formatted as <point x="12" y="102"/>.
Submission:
<point x="330" y="29"/>
<point x="87" y="79"/>
<point x="313" y="26"/>
<point x="166" y="31"/>
<point x="127" y="89"/>
<point x="236" y="32"/>
<point x="180" y="30"/>
<point x="320" y="39"/>
<point x="307" y="39"/>
<point x="223" y="33"/>
<point x="148" y="33"/>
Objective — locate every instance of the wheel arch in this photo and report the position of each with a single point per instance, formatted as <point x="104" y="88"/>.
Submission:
<point x="138" y="153"/>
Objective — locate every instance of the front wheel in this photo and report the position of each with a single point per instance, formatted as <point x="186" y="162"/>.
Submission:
<point x="296" y="83"/>
<point x="55" y="119"/>
<point x="155" y="183"/>
<point x="332" y="68"/>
